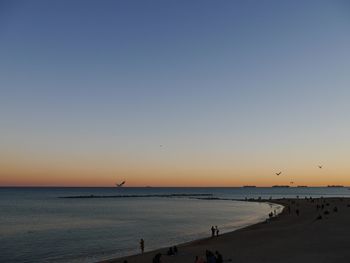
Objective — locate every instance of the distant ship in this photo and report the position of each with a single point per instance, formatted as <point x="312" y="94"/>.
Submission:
<point x="280" y="186"/>
<point x="121" y="184"/>
<point x="335" y="186"/>
<point x="302" y="186"/>
<point x="249" y="186"/>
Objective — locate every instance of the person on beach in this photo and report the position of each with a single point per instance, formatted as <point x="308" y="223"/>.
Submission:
<point x="199" y="260"/>
<point x="270" y="215"/>
<point x="212" y="231"/>
<point x="142" y="245"/>
<point x="217" y="231"/>
<point x="156" y="258"/>
<point x="170" y="251"/>
<point x="175" y="250"/>
<point x="219" y="258"/>
<point x="210" y="256"/>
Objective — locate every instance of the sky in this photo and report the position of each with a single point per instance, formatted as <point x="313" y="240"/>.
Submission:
<point x="174" y="93"/>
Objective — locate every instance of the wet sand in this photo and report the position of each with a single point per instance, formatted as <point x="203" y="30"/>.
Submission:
<point x="286" y="238"/>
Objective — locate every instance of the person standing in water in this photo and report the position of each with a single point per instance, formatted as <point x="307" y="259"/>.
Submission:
<point x="212" y="231"/>
<point x="142" y="245"/>
<point x="217" y="231"/>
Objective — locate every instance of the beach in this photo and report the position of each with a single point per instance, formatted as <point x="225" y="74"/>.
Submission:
<point x="320" y="233"/>
<point x="174" y="131"/>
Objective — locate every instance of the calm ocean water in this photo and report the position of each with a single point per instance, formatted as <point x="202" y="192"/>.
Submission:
<point x="38" y="226"/>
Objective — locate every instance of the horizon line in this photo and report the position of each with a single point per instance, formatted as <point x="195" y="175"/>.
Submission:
<point x="243" y="186"/>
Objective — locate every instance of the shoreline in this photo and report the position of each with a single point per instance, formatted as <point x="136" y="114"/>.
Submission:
<point x="304" y="238"/>
<point x="163" y="250"/>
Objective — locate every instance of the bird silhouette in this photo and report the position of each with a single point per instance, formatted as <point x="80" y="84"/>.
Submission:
<point x="319" y="166"/>
<point x="121" y="184"/>
<point x="279" y="173"/>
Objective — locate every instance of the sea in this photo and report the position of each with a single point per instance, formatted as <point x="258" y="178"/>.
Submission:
<point x="93" y="224"/>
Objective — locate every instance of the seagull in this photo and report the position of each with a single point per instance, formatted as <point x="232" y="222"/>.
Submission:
<point x="319" y="166"/>
<point x="121" y="184"/>
<point x="278" y="173"/>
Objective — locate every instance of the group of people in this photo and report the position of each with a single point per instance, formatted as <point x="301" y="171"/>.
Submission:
<point x="210" y="257"/>
<point x="293" y="203"/>
<point x="157" y="258"/>
<point x="172" y="251"/>
<point x="214" y="231"/>
<point x="321" y="206"/>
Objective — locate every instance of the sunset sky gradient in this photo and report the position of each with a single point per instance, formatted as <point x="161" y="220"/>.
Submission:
<point x="174" y="93"/>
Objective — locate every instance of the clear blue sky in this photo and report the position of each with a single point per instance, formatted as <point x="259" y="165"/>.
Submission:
<point x="220" y="84"/>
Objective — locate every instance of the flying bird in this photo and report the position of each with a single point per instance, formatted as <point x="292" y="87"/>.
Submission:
<point x="319" y="166"/>
<point x="121" y="184"/>
<point x="279" y="173"/>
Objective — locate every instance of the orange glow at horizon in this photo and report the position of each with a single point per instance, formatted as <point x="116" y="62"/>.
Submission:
<point x="162" y="178"/>
<point x="20" y="170"/>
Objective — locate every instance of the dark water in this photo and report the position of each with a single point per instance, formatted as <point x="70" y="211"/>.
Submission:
<point x="37" y="226"/>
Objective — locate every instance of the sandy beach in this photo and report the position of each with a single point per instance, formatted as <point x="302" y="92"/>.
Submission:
<point x="320" y="233"/>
